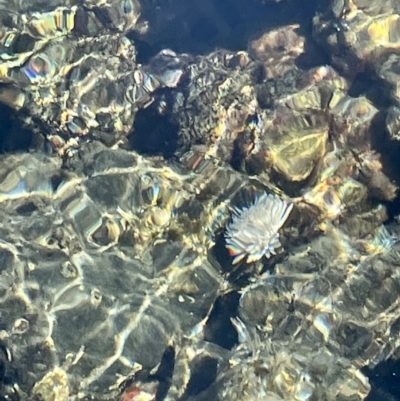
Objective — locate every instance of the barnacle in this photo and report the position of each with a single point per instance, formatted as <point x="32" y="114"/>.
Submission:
<point x="254" y="230"/>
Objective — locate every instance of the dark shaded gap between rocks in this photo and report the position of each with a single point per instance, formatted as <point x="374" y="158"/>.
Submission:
<point x="13" y="136"/>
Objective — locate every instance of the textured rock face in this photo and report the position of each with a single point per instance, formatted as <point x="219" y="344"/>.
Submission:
<point x="95" y="272"/>
<point x="361" y="36"/>
<point x="323" y="315"/>
<point x="107" y="261"/>
<point x="71" y="70"/>
<point x="113" y="262"/>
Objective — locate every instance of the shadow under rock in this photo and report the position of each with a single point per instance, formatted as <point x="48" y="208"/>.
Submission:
<point x="13" y="136"/>
<point x="153" y="133"/>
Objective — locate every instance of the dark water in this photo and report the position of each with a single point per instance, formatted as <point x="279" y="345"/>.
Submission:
<point x="384" y="380"/>
<point x="201" y="26"/>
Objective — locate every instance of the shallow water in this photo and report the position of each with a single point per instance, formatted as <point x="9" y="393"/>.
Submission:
<point x="198" y="29"/>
